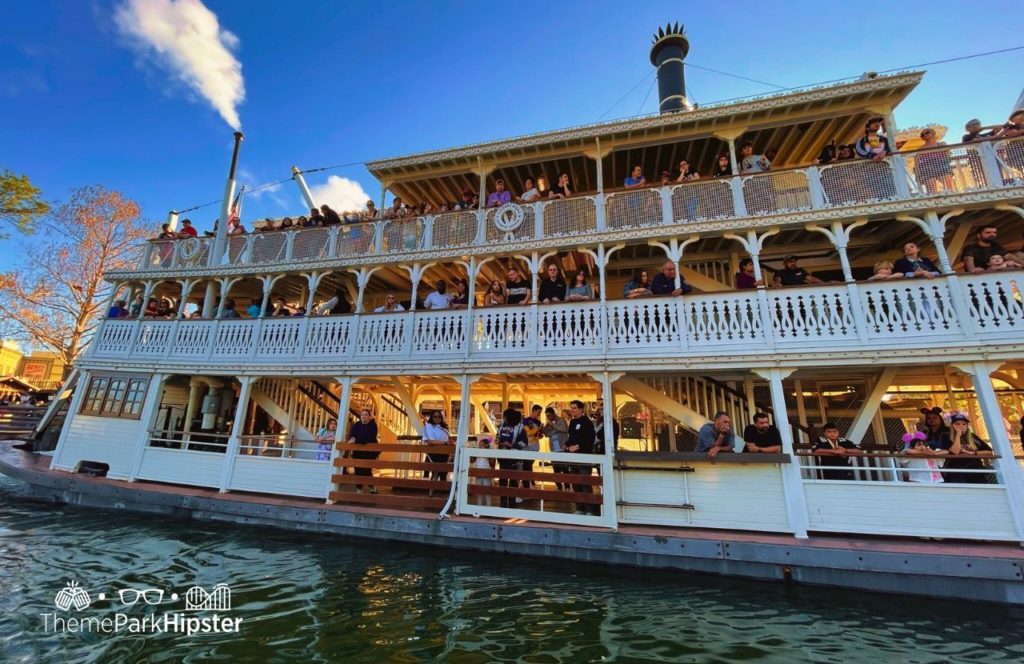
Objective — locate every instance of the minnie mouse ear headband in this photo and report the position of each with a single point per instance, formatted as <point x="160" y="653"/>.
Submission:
<point x="911" y="437"/>
<point x="959" y="416"/>
<point x="931" y="411"/>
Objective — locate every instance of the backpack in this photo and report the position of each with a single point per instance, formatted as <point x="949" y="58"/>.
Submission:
<point x="511" y="438"/>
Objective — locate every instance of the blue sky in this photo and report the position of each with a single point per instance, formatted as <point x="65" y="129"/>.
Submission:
<point x="336" y="82"/>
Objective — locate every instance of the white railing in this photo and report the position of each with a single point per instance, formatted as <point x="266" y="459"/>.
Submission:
<point x="896" y="315"/>
<point x="940" y="171"/>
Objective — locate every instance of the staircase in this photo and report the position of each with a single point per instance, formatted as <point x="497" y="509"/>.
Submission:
<point x="308" y="404"/>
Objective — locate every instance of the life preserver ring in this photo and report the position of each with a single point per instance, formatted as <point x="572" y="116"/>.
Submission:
<point x="508" y="218"/>
<point x="189" y="248"/>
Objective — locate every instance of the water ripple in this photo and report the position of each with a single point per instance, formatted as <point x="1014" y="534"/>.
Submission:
<point x="318" y="599"/>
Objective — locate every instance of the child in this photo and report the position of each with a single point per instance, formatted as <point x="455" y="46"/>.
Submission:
<point x="883" y="271"/>
<point x="484" y="463"/>
<point x="997" y="264"/>
<point x="925" y="471"/>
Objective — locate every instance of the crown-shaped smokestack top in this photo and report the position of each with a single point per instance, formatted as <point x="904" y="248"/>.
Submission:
<point x="669" y="49"/>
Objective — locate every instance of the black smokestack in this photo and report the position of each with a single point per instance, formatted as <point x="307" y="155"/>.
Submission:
<point x="667" y="54"/>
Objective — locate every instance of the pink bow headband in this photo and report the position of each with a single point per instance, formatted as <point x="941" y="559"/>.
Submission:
<point x="910" y="437"/>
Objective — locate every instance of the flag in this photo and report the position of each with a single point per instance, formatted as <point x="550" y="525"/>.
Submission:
<point x="235" y="216"/>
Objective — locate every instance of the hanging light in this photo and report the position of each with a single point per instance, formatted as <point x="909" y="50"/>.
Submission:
<point x="542" y="184"/>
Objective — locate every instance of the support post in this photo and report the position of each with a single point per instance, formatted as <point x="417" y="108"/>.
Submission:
<point x="237" y="426"/>
<point x="209" y="299"/>
<point x="792" y="484"/>
<point x="344" y="403"/>
<point x="460" y="469"/>
<point x="609" y="497"/>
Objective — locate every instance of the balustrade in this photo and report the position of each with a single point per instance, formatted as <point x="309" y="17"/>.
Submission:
<point x="945" y="170"/>
<point x="895" y="314"/>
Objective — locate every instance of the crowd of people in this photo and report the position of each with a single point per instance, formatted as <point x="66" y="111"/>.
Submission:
<point x="938" y="446"/>
<point x="983" y="255"/>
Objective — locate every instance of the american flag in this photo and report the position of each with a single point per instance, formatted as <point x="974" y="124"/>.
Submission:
<point x="235" y="216"/>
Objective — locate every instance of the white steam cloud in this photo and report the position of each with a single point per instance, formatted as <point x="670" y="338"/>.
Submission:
<point x="340" y="193"/>
<point x="185" y="37"/>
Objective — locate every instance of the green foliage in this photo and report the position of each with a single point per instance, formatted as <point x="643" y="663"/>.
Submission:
<point x="20" y="204"/>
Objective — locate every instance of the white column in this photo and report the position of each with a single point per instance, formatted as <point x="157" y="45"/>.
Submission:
<point x="1009" y="472"/>
<point x="147" y="418"/>
<point x="792" y="485"/>
<point x="208" y="300"/>
<point x="732" y="157"/>
<point x="237" y="426"/>
<point x="73" y="408"/>
<point x="460" y="470"/>
<point x="609" y="498"/>
<point x="346" y="383"/>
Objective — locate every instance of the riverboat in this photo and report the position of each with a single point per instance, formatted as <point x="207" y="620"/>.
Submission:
<point x="222" y="415"/>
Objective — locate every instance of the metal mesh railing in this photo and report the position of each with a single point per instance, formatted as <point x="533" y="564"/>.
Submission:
<point x="769" y="193"/>
<point x="570" y="216"/>
<point x="634" y="209"/>
<point x="1010" y="154"/>
<point x="354" y="240"/>
<point x="268" y="247"/>
<point x="946" y="170"/>
<point x="237" y="254"/>
<point x="857" y="182"/>
<point x="401" y="235"/>
<point x="311" y="244"/>
<point x="707" y="199"/>
<point x="161" y="254"/>
<point x="524" y="231"/>
<point x="455" y="229"/>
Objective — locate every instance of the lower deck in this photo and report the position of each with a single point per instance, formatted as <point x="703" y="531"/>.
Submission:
<point x="988" y="571"/>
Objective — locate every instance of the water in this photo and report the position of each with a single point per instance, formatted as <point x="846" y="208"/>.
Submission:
<point x="307" y="598"/>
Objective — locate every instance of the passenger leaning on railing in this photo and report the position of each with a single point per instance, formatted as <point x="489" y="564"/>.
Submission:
<point x="552" y="289"/>
<point x="913" y="264"/>
<point x="665" y="282"/>
<point x="364" y="432"/>
<point x="724" y="167"/>
<point x="578" y="289"/>
<point x="563" y="189"/>
<point x="745" y="277"/>
<point x="978" y="256"/>
<point x="924" y="468"/>
<point x="717" y="436"/>
<point x="966" y="452"/>
<point x="791" y="275"/>
<point x="833" y="452"/>
<point x="873" y="144"/>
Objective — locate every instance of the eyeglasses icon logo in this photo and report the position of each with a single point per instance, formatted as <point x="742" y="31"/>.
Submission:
<point x="131" y="596"/>
<point x="218" y="599"/>
<point x="72" y="595"/>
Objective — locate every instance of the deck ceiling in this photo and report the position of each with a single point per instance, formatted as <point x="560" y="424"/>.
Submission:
<point x="796" y="124"/>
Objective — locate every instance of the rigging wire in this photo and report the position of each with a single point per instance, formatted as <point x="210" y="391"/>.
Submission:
<point x="638" y="84"/>
<point x="653" y="81"/>
<point x="725" y="73"/>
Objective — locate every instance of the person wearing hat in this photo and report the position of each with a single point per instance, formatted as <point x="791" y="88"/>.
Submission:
<point x="187" y="230"/>
<point x="791" y="275"/>
<point x="966" y="452"/>
<point x="873" y="144"/>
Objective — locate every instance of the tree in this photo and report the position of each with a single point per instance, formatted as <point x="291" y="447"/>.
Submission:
<point x="55" y="297"/>
<point x="20" y="205"/>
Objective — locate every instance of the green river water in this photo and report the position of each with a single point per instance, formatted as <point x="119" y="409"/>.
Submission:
<point x="305" y="598"/>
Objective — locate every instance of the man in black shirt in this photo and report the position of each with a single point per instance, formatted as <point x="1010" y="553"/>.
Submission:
<point x="664" y="282"/>
<point x="791" y="275"/>
<point x="552" y="289"/>
<point x="518" y="288"/>
<point x="976" y="256"/>
<point x="974" y="131"/>
<point x="761" y="436"/>
<point x="581" y="441"/>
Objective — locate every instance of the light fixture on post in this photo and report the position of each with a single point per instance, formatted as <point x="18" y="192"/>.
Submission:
<point x="542" y="184"/>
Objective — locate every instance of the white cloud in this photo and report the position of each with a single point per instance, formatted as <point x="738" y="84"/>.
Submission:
<point x="340" y="193"/>
<point x="185" y="37"/>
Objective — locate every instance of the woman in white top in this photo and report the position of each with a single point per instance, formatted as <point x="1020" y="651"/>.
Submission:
<point x="435" y="432"/>
<point x="530" y="193"/>
<point x="391" y="303"/>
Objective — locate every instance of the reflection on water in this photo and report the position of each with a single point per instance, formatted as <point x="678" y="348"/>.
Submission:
<point x="307" y="598"/>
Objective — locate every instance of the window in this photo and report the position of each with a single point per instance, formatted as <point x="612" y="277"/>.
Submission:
<point x="115" y="396"/>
